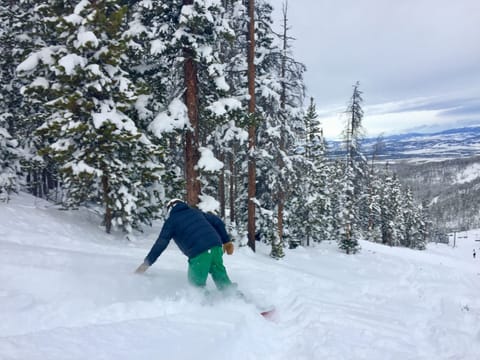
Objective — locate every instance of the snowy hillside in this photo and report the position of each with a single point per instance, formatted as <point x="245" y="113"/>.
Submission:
<point x="68" y="292"/>
<point x="450" y="187"/>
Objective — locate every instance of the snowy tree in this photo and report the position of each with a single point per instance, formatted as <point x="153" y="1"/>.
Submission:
<point x="415" y="222"/>
<point x="10" y="98"/>
<point x="9" y="163"/>
<point x="310" y="199"/>
<point x="394" y="218"/>
<point x="391" y="221"/>
<point x="370" y="204"/>
<point x="320" y="186"/>
<point x="233" y="134"/>
<point x="354" y="174"/>
<point x="348" y="240"/>
<point x="424" y="227"/>
<point x="291" y="112"/>
<point x="374" y="207"/>
<point x="193" y="100"/>
<point x="152" y="59"/>
<point x="279" y="94"/>
<point x="19" y="33"/>
<point x="102" y="155"/>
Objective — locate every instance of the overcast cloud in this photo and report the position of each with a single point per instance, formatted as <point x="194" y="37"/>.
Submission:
<point x="418" y="61"/>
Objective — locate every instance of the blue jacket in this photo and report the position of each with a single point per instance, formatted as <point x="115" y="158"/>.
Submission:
<point x="192" y="230"/>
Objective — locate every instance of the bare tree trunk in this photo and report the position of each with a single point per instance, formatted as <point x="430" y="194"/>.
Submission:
<point x="106" y="201"/>
<point x="281" y="202"/>
<point x="192" y="134"/>
<point x="221" y="187"/>
<point x="233" y="174"/>
<point x="252" y="128"/>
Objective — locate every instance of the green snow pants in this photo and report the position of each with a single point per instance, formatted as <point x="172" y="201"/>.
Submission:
<point x="208" y="262"/>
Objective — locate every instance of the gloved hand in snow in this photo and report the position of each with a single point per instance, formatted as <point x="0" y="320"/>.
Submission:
<point x="142" y="268"/>
<point x="228" y="248"/>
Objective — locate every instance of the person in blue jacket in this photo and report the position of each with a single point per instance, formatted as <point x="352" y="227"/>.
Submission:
<point x="202" y="237"/>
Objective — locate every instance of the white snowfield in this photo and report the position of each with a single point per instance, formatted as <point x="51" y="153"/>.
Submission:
<point x="68" y="292"/>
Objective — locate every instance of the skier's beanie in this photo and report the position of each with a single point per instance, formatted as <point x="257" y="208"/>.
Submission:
<point x="172" y="203"/>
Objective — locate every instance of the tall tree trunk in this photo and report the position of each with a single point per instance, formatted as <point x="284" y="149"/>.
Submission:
<point x="106" y="200"/>
<point x="252" y="127"/>
<point x="233" y="174"/>
<point x="221" y="187"/>
<point x="192" y="134"/>
<point x="281" y="204"/>
<point x="283" y="97"/>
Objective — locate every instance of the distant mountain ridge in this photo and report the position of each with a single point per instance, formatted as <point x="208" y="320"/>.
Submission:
<point x="448" y="144"/>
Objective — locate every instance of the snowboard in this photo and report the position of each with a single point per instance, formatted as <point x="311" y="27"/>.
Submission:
<point x="268" y="314"/>
<point x="267" y="311"/>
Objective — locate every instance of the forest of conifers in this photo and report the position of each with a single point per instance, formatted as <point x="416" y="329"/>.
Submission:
<point x="121" y="105"/>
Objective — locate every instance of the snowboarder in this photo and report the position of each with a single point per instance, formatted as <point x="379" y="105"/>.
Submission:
<point x="202" y="237"/>
<point x="474" y="253"/>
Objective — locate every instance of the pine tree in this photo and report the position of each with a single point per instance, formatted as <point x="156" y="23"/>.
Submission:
<point x="102" y="155"/>
<point x="310" y="200"/>
<point x="424" y="227"/>
<point x="336" y="185"/>
<point x="9" y="163"/>
<point x="320" y="186"/>
<point x="291" y="112"/>
<point x="371" y="203"/>
<point x="414" y="222"/>
<point x="19" y="33"/>
<point x="10" y="98"/>
<point x="279" y="98"/>
<point x="301" y="203"/>
<point x="354" y="174"/>
<point x="374" y="207"/>
<point x="185" y="69"/>
<point x="153" y="58"/>
<point x="391" y="211"/>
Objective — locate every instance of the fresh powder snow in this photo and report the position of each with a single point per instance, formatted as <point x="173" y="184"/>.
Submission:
<point x="68" y="291"/>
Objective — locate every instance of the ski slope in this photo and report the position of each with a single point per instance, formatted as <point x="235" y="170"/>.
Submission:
<point x="68" y="292"/>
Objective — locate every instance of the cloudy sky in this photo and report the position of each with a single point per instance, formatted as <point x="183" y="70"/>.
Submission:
<point x="417" y="61"/>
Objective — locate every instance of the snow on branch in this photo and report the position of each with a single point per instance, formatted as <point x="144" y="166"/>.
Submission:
<point x="120" y="120"/>
<point x="32" y="61"/>
<point x="222" y="106"/>
<point x="176" y="117"/>
<point x="208" y="161"/>
<point x="208" y="204"/>
<point x="70" y="61"/>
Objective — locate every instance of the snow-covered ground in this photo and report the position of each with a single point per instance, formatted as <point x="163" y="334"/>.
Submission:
<point x="68" y="292"/>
